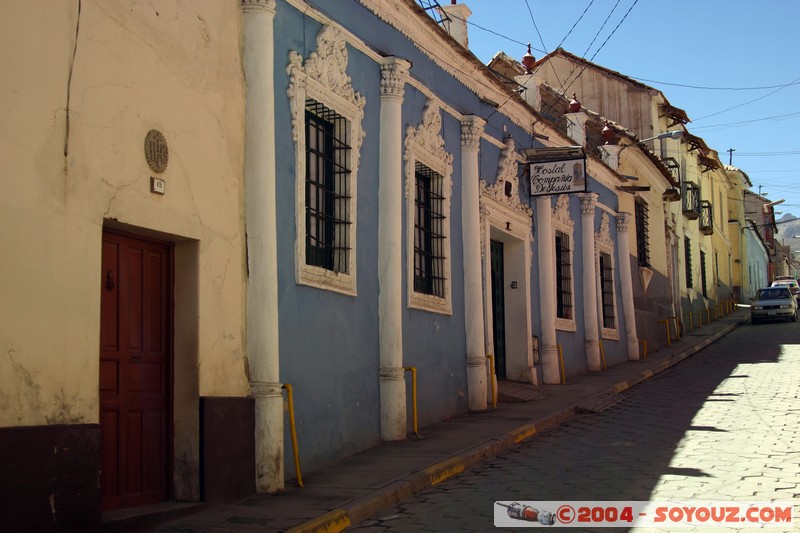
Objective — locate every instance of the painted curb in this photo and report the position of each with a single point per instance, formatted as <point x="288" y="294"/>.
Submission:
<point x="362" y="508"/>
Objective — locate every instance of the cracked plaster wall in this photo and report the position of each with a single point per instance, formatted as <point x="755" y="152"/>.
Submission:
<point x="174" y="66"/>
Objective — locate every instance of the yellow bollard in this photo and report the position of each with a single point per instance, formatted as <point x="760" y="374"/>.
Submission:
<point x="602" y="354"/>
<point x="413" y="371"/>
<point x="561" y="363"/>
<point x="290" y="400"/>
<point x="691" y="321"/>
<point x="643" y="342"/>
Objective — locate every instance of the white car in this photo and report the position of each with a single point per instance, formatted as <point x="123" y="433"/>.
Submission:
<point x="773" y="303"/>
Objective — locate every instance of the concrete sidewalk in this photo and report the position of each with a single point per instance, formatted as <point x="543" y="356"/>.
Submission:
<point x="354" y="489"/>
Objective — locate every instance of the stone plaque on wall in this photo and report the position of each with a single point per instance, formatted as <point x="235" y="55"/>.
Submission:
<point x="156" y="151"/>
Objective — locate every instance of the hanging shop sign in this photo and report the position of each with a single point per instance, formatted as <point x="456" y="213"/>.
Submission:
<point x="557" y="170"/>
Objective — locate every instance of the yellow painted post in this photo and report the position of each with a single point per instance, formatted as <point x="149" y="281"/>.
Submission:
<point x="413" y="371"/>
<point x="643" y="342"/>
<point x="290" y="400"/>
<point x="602" y="354"/>
<point x="561" y="363"/>
<point x="666" y="328"/>
<point x="490" y="357"/>
<point x="691" y="321"/>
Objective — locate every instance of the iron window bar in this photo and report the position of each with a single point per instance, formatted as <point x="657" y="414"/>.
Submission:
<point x="429" y="238"/>
<point x="703" y="279"/>
<point x="563" y="277"/>
<point x="642" y="234"/>
<point x="327" y="188"/>
<point x="687" y="253"/>
<point x="607" y="290"/>
<point x="691" y="200"/>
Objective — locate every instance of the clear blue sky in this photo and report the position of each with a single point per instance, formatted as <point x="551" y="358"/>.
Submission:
<point x="704" y="43"/>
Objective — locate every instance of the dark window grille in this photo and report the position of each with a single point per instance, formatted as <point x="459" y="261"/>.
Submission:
<point x="703" y="273"/>
<point x="687" y="253"/>
<point x="642" y="234"/>
<point x="429" y="238"/>
<point x="563" y="277"/>
<point x="607" y="290"/>
<point x="691" y="200"/>
<point x="327" y="188"/>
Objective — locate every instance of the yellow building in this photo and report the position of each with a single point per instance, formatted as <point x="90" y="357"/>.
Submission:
<point x="123" y="250"/>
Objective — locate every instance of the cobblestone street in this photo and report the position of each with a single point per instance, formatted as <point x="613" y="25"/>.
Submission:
<point x="721" y="426"/>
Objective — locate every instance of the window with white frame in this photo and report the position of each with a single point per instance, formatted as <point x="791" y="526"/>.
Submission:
<point x="429" y="239"/>
<point x="563" y="276"/>
<point x="607" y="291"/>
<point x="563" y="227"/>
<point x="606" y="305"/>
<point x="326" y="119"/>
<point x="327" y="186"/>
<point x="428" y="170"/>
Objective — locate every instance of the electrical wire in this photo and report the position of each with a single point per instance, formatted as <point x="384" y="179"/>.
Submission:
<point x="576" y="23"/>
<point x="704" y="88"/>
<point x="536" y="27"/>
<point x="747" y="103"/>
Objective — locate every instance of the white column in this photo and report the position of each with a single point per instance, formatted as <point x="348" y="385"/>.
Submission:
<point x="390" y="251"/>
<point x="624" y="261"/>
<point x="471" y="129"/>
<point x="547" y="295"/>
<point x="591" y="338"/>
<point x="260" y="210"/>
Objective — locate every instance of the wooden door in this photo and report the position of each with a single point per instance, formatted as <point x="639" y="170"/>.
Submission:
<point x="135" y="370"/>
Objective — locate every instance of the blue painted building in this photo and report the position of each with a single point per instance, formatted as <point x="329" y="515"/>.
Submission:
<point x="404" y="233"/>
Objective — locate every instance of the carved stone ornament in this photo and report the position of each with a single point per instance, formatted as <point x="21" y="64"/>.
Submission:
<point x="471" y="131"/>
<point x="588" y="202"/>
<point x="322" y="77"/>
<point x="393" y="79"/>
<point x="505" y="188"/>
<point x="622" y="222"/>
<point x="561" y="211"/>
<point x="426" y="144"/>
<point x="604" y="235"/>
<point x="156" y="151"/>
<point x="324" y="74"/>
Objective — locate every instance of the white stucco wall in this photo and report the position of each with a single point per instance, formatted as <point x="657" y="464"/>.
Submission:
<point x="173" y="66"/>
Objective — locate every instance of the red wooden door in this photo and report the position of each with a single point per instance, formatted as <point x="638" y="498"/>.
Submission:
<point x="135" y="370"/>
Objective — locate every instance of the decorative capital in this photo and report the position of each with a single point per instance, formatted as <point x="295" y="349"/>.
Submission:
<point x="393" y="79"/>
<point x="258" y="5"/>
<point x="588" y="202"/>
<point x="471" y="130"/>
<point x="622" y="222"/>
